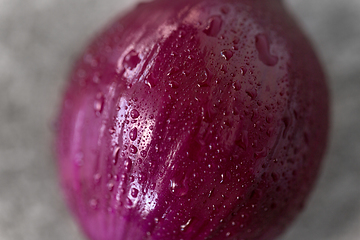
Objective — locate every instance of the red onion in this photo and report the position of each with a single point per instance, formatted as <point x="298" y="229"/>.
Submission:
<point x="201" y="119"/>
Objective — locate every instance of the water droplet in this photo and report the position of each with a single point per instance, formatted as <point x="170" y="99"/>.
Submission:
<point x="214" y="26"/>
<point x="110" y="186"/>
<point x="226" y="176"/>
<point x="262" y="45"/>
<point x="223" y="68"/>
<point x="129" y="202"/>
<point x="97" y="177"/>
<point x="244" y="216"/>
<point x="133" y="134"/>
<point x="116" y="155"/>
<point x="133" y="149"/>
<point x="89" y="59"/>
<point x="270" y="131"/>
<point x="142" y="177"/>
<point x="131" y="60"/>
<point x="99" y="104"/>
<point x="222" y="178"/>
<point x="131" y="179"/>
<point x="243" y="71"/>
<point x="174" y="84"/>
<point x="134" y="192"/>
<point x="252" y="93"/>
<point x="243" y="141"/>
<point x="97" y="77"/>
<point x="187" y="226"/>
<point x="210" y="193"/>
<point x="127" y="164"/>
<point x="208" y="112"/>
<point x="93" y="203"/>
<point x="151" y="81"/>
<point x="173" y="70"/>
<point x="227" y="54"/>
<point x="260" y="154"/>
<point x="287" y="122"/>
<point x="203" y="77"/>
<point x="134" y="113"/>
<point x="225" y="10"/>
<point x="269" y="118"/>
<point x="181" y="33"/>
<point x="179" y="188"/>
<point x="143" y="153"/>
<point x="236" y="85"/>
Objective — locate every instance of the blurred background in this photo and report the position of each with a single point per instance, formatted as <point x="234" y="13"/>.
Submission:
<point x="39" y="40"/>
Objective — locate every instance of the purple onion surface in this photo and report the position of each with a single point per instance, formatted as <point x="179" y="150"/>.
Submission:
<point x="201" y="119"/>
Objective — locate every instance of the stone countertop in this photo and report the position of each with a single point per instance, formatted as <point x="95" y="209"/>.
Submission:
<point x="39" y="40"/>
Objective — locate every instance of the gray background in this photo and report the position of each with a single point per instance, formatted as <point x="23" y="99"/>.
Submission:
<point x="38" y="42"/>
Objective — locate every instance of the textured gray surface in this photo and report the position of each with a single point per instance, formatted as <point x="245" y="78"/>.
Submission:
<point x="38" y="42"/>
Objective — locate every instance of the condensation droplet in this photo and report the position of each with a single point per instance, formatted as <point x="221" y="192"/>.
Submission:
<point x="287" y="123"/>
<point x="131" y="178"/>
<point x="252" y="93"/>
<point x="143" y="153"/>
<point x="133" y="149"/>
<point x="142" y="177"/>
<point x="134" y="113"/>
<point x="214" y="26"/>
<point x="127" y="164"/>
<point x="97" y="178"/>
<point x="99" y="103"/>
<point x="260" y="154"/>
<point x="208" y="112"/>
<point x="243" y="140"/>
<point x="236" y="85"/>
<point x="203" y="77"/>
<point x="116" y="155"/>
<point x="110" y="186"/>
<point x="187" y="226"/>
<point x="225" y="10"/>
<point x="269" y="118"/>
<point x="131" y="60"/>
<point x="244" y="216"/>
<point x="151" y="81"/>
<point x="173" y="70"/>
<point x="210" y="193"/>
<point x="97" y="77"/>
<point x="129" y="202"/>
<point x="223" y="68"/>
<point x="179" y="188"/>
<point x="227" y="54"/>
<point x="134" y="192"/>
<point x="133" y="134"/>
<point x="93" y="203"/>
<point x="90" y="59"/>
<point x="262" y="45"/>
<point x="174" y="84"/>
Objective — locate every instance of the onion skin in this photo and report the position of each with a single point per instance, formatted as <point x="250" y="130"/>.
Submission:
<point x="201" y="119"/>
